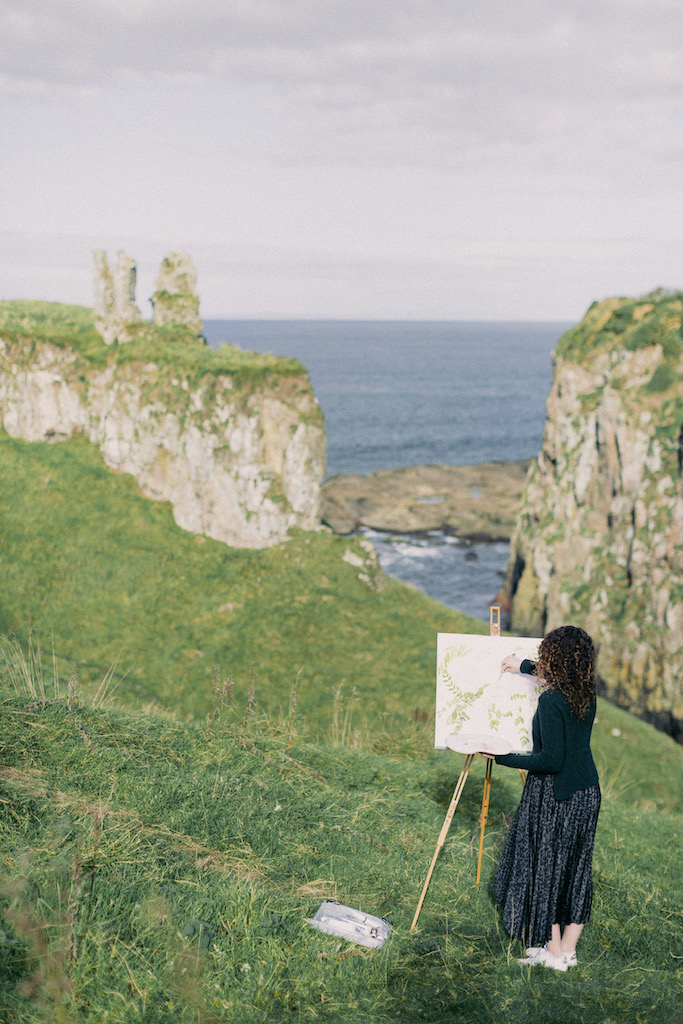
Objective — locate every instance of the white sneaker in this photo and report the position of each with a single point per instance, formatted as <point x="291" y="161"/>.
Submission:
<point x="541" y="955"/>
<point x="535" y="955"/>
<point x="557" y="963"/>
<point x="534" y="952"/>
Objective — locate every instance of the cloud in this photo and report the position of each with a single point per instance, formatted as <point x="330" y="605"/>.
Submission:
<point x="387" y="82"/>
<point x="385" y="46"/>
<point x="420" y="137"/>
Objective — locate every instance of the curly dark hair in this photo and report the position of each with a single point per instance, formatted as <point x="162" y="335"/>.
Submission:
<point x="566" y="660"/>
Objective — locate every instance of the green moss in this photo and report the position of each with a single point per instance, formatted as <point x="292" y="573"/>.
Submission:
<point x="661" y="380"/>
<point x="581" y="595"/>
<point x="276" y="494"/>
<point x="73" y="328"/>
<point x="583" y="339"/>
<point x="621" y="319"/>
<point x="588" y="403"/>
<point x="629" y="324"/>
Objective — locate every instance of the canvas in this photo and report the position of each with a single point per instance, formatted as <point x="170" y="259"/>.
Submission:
<point x="479" y="707"/>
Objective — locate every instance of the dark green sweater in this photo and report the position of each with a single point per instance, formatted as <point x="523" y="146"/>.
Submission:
<point x="561" y="746"/>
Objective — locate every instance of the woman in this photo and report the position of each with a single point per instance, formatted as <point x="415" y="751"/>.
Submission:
<point x="544" y="880"/>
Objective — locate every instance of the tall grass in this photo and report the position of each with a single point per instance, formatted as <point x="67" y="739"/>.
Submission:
<point x="158" y="870"/>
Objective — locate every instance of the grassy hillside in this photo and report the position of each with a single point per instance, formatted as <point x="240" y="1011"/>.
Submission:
<point x="157" y="871"/>
<point x="199" y="745"/>
<point x="103" y="576"/>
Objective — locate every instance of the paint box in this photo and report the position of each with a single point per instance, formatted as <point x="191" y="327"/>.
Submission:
<point x="334" y="919"/>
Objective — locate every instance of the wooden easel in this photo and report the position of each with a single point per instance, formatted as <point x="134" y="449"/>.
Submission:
<point x="494" y="629"/>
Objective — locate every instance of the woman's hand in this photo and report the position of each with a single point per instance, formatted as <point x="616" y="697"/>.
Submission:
<point x="511" y="663"/>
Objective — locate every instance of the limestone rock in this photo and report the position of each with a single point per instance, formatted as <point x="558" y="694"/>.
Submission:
<point x="476" y="502"/>
<point x="599" y="540"/>
<point x="175" y="300"/>
<point x="238" y="462"/>
<point x="115" y="308"/>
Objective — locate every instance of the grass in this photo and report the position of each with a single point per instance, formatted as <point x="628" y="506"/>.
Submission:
<point x="158" y="870"/>
<point x="199" y="745"/>
<point x="102" y="576"/>
<point x="653" y="319"/>
<point x="24" y="323"/>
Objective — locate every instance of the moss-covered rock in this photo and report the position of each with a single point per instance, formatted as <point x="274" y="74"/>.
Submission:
<point x="477" y="502"/>
<point x="175" y="301"/>
<point x="235" y="441"/>
<point x="599" y="540"/>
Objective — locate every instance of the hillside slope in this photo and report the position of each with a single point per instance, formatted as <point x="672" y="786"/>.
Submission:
<point x="104" y="577"/>
<point x="158" y="871"/>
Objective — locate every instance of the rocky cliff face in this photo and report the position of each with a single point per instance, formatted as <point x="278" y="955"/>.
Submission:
<point x="240" y="462"/>
<point x="599" y="540"/>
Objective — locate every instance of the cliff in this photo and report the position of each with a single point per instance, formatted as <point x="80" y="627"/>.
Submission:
<point x="233" y="440"/>
<point x="599" y="539"/>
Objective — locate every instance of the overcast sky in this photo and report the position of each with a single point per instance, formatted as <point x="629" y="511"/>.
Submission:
<point x="421" y="159"/>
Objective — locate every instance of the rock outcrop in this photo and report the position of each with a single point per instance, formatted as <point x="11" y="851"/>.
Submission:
<point x="114" y="292"/>
<point x="175" y="301"/>
<point x="599" y="541"/>
<point x="240" y="457"/>
<point x="474" y="502"/>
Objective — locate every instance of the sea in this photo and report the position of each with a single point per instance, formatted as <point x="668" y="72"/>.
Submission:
<point x="407" y="393"/>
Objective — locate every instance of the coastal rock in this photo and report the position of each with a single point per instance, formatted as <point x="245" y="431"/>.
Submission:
<point x="114" y="293"/>
<point x="476" y="502"/>
<point x="238" y="461"/>
<point x="599" y="541"/>
<point x="175" y="301"/>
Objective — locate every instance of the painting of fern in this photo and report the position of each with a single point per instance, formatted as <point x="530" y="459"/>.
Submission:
<point x="479" y="707"/>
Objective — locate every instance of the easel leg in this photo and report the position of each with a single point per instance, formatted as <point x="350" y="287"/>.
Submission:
<point x="457" y="793"/>
<point x="484" y="813"/>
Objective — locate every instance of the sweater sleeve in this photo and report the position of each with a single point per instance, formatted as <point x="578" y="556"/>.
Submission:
<point x="550" y="758"/>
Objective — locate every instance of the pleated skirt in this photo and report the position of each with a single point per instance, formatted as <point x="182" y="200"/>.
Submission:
<point x="545" y="874"/>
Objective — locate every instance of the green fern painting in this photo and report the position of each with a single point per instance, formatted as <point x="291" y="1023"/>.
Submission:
<point x="479" y="707"/>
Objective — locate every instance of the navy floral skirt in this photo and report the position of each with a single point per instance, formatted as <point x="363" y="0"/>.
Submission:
<point x="545" y="873"/>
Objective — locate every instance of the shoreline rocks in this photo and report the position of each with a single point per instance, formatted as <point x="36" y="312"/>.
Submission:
<point x="474" y="502"/>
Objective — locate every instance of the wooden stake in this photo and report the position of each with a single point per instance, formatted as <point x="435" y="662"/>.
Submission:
<point x="484" y="813"/>
<point x="457" y="793"/>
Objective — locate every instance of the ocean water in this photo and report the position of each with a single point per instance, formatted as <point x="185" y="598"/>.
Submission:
<point x="405" y="393"/>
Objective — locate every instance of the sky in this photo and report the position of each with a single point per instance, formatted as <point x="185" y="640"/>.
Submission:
<point x="362" y="159"/>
